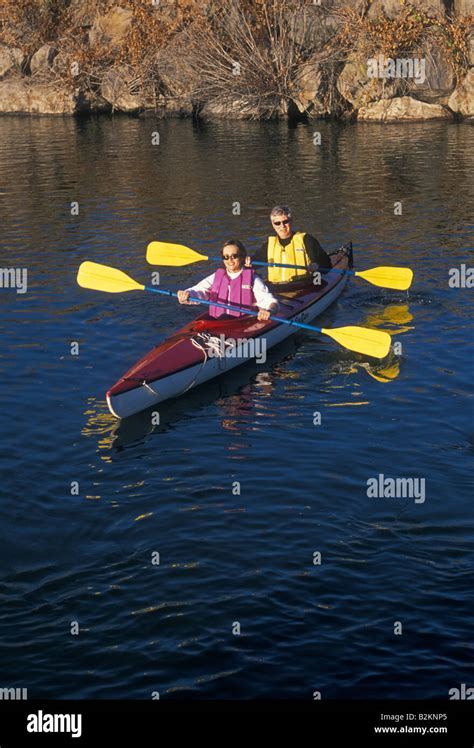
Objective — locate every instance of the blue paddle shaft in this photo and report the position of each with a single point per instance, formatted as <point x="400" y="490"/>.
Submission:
<point x="235" y="309"/>
<point x="297" y="267"/>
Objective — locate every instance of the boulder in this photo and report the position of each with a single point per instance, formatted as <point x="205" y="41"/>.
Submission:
<point x="111" y="27"/>
<point x="62" y="64"/>
<point x="308" y="88"/>
<point x="177" y="77"/>
<point x="43" y="59"/>
<point x="164" y="108"/>
<point x="470" y="50"/>
<point x="315" y="93"/>
<point x="310" y="23"/>
<point x="359" y="88"/>
<point x="463" y="7"/>
<point x="10" y="58"/>
<point x="402" y="109"/>
<point x="439" y="79"/>
<point x="114" y="88"/>
<point x="461" y="100"/>
<point x="26" y="96"/>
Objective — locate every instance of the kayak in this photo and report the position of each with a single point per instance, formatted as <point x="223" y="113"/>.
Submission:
<point x="209" y="347"/>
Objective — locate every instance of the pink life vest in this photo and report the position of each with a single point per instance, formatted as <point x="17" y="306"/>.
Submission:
<point x="236" y="291"/>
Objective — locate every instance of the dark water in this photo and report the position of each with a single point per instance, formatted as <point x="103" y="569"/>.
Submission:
<point x="227" y="558"/>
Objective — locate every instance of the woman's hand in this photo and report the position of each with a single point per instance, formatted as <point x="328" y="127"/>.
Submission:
<point x="183" y="297"/>
<point x="248" y="262"/>
<point x="264" y="314"/>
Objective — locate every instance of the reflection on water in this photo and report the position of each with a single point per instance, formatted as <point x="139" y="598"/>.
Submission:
<point x="395" y="316"/>
<point x="99" y="425"/>
<point x="231" y="394"/>
<point x="234" y="398"/>
<point x="237" y="409"/>
<point x="386" y="373"/>
<point x="349" y="404"/>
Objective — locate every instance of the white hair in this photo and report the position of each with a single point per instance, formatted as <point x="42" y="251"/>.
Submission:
<point x="280" y="210"/>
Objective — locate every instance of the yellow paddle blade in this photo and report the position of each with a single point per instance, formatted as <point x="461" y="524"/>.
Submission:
<point x="374" y="343"/>
<point x="173" y="255"/>
<point x="388" y="277"/>
<point x="103" y="278"/>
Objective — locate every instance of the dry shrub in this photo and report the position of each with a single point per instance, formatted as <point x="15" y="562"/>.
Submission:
<point x="30" y="23"/>
<point x="150" y="31"/>
<point x="149" y="34"/>
<point x="247" y="56"/>
<point x="408" y="33"/>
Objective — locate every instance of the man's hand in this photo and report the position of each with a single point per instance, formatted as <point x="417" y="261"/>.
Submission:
<point x="248" y="262"/>
<point x="313" y="267"/>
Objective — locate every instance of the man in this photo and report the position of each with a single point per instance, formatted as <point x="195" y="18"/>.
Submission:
<point x="290" y="248"/>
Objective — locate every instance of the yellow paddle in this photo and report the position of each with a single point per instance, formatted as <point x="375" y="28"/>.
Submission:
<point x="374" y="343"/>
<point x="104" y="278"/>
<point x="177" y="255"/>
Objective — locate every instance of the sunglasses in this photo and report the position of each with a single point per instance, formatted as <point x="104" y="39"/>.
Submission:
<point x="230" y="257"/>
<point x="279" y="223"/>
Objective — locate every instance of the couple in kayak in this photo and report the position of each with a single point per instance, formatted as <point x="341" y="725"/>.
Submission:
<point x="238" y="284"/>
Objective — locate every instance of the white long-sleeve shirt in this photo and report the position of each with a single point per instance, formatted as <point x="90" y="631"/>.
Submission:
<point x="263" y="297"/>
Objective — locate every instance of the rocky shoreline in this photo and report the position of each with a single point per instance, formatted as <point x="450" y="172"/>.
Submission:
<point x="105" y="59"/>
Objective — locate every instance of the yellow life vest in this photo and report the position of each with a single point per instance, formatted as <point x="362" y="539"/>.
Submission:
<point x="293" y="254"/>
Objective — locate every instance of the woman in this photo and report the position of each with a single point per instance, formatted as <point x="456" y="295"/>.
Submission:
<point x="234" y="284"/>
